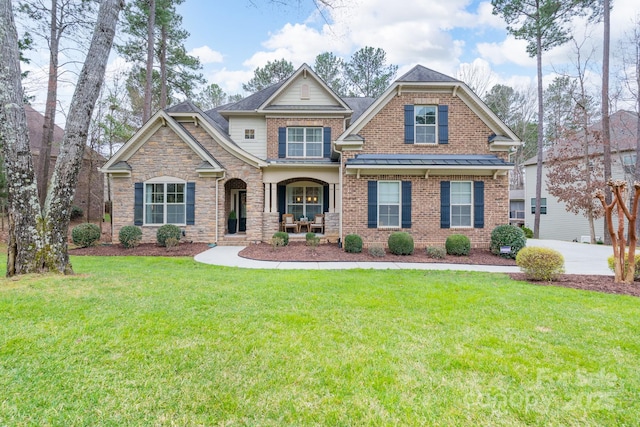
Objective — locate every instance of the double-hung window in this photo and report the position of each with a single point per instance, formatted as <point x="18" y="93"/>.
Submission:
<point x="389" y="203"/>
<point x="426" y="120"/>
<point x="461" y="203"/>
<point x="543" y="205"/>
<point x="304" y="142"/>
<point x="164" y="203"/>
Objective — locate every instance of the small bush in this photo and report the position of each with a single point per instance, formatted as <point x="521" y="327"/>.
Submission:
<point x="168" y="231"/>
<point x="458" y="244"/>
<point x="528" y="233"/>
<point x="312" y="240"/>
<point x="507" y="235"/>
<point x="85" y="235"/>
<point x="542" y="264"/>
<point x="376" y="251"/>
<point x="353" y="243"/>
<point x="400" y="243"/>
<point x="436" y="252"/>
<point x="636" y="273"/>
<point x="130" y="236"/>
<point x="277" y="242"/>
<point x="171" y="243"/>
<point x="76" y="212"/>
<point x="282" y="235"/>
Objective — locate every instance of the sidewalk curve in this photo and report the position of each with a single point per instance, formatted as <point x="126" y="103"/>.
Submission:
<point x="580" y="258"/>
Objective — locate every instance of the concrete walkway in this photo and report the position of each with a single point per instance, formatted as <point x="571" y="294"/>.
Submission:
<point x="579" y="258"/>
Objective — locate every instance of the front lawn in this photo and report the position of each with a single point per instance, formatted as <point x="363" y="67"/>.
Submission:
<point x="160" y="341"/>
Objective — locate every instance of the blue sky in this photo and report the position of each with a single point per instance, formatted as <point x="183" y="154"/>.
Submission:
<point x="233" y="37"/>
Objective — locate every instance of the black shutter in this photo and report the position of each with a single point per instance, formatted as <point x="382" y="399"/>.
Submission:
<point x="445" y="204"/>
<point x="138" y="204"/>
<point x="191" y="203"/>
<point x="443" y="124"/>
<point x="326" y="139"/>
<point x="478" y="204"/>
<point x="409" y="120"/>
<point x="372" y="204"/>
<point x="325" y="198"/>
<point x="406" y="204"/>
<point x="282" y="143"/>
<point x="282" y="200"/>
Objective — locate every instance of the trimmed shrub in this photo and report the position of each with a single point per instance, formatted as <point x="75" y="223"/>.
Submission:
<point x="85" y="235"/>
<point x="312" y="239"/>
<point x="400" y="243"/>
<point x="281" y="235"/>
<point x="130" y="236"/>
<point x="376" y="251"/>
<point x="277" y="242"/>
<point x="543" y="264"/>
<point x="458" y="244"/>
<point x="76" y="212"/>
<point x="528" y="233"/>
<point x="507" y="235"/>
<point x="168" y="231"/>
<point x="353" y="243"/>
<point x="636" y="273"/>
<point x="436" y="252"/>
<point x="171" y="243"/>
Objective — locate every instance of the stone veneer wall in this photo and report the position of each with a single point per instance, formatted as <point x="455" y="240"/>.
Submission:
<point x="165" y="154"/>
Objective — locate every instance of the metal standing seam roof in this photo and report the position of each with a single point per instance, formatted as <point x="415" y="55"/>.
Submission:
<point x="459" y="160"/>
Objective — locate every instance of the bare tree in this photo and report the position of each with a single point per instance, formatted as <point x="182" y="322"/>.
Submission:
<point x="38" y="236"/>
<point x="56" y="24"/>
<point x="606" y="130"/>
<point x="478" y="76"/>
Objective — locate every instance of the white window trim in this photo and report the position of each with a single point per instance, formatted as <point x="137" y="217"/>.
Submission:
<point x="416" y="125"/>
<point x="304" y="143"/>
<point x="246" y="134"/>
<point x="399" y="183"/>
<point x="471" y="211"/>
<point x="303" y="203"/>
<point x="163" y="180"/>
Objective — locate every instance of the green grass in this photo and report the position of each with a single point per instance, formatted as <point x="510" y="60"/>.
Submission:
<point x="159" y="341"/>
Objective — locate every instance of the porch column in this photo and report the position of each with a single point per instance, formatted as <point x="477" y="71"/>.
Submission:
<point x="274" y="197"/>
<point x="332" y="197"/>
<point x="337" y="198"/>
<point x="267" y="193"/>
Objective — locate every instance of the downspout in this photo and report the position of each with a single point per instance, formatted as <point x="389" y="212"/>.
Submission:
<point x="341" y="191"/>
<point x="224" y="173"/>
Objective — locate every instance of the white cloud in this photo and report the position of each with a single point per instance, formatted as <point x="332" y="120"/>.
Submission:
<point x="206" y="55"/>
<point x="508" y="51"/>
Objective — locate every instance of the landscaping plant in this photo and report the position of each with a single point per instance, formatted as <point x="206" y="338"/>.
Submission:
<point x="458" y="244"/>
<point x="85" y="235"/>
<point x="168" y="231"/>
<point x="542" y="264"/>
<point x="283" y="235"/>
<point x="507" y="235"/>
<point x="353" y="243"/>
<point x="400" y="243"/>
<point x="130" y="236"/>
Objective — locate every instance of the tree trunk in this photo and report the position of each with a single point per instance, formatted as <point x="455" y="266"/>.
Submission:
<point x="148" y="84"/>
<point x="163" y="66"/>
<point x="48" y="125"/>
<point x="38" y="238"/>
<point x="536" y="221"/>
<point x="606" y="131"/>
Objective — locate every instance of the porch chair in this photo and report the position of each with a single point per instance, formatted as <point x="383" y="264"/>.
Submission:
<point x="288" y="222"/>
<point x="318" y="223"/>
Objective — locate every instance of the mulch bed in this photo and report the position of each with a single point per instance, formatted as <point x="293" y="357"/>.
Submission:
<point x="298" y="251"/>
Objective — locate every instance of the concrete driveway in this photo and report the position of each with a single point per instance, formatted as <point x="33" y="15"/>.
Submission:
<point x="580" y="258"/>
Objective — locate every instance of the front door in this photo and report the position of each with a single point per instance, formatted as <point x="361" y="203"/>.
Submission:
<point x="239" y="204"/>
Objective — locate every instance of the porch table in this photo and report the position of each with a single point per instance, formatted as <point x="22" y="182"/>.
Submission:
<point x="303" y="224"/>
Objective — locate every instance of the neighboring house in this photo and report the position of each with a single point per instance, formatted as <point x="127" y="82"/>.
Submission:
<point x="427" y="157"/>
<point x="555" y="221"/>
<point x="90" y="189"/>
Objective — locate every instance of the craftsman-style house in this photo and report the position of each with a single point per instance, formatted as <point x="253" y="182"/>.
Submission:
<point x="427" y="157"/>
